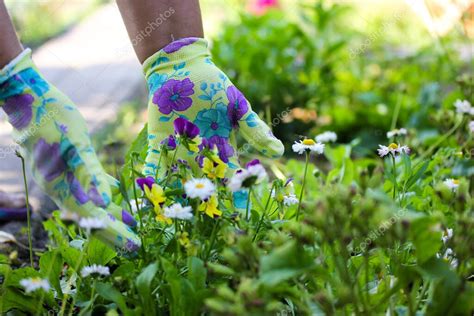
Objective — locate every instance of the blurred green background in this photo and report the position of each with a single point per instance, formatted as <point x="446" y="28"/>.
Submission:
<point x="358" y="68"/>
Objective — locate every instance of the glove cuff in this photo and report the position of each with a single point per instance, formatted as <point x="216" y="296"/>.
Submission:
<point x="10" y="82"/>
<point x="175" y="53"/>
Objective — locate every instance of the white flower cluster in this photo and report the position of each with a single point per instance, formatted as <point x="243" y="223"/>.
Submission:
<point x="179" y="212"/>
<point x="463" y="107"/>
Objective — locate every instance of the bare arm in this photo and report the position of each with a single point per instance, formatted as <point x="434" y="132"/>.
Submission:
<point x="10" y="46"/>
<point x="152" y="24"/>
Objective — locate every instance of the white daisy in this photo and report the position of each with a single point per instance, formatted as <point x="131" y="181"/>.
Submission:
<point x="463" y="107"/>
<point x="397" y="132"/>
<point x="91" y="223"/>
<point x="383" y="151"/>
<point x="393" y="149"/>
<point x="33" y="284"/>
<point x="451" y="183"/>
<point x="290" y="200"/>
<point x="179" y="212"/>
<point x="95" y="269"/>
<point x="471" y="126"/>
<point x="326" y="137"/>
<point x="308" y="145"/>
<point x="199" y="188"/>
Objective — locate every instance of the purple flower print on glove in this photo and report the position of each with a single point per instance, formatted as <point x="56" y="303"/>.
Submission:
<point x="48" y="160"/>
<point x="177" y="45"/>
<point x="237" y="107"/>
<point x="76" y="189"/>
<point x="19" y="110"/>
<point x="174" y="96"/>
<point x="128" y="219"/>
<point x="96" y="197"/>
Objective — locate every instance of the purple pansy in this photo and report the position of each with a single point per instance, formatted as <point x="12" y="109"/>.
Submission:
<point x="224" y="149"/>
<point x="177" y="45"/>
<point x="237" y="106"/>
<point x="174" y="96"/>
<point x="76" y="189"/>
<point x="19" y="110"/>
<point x="253" y="163"/>
<point x="48" y="159"/>
<point x="128" y="219"/>
<point x="185" y="128"/>
<point x="169" y="142"/>
<point x="148" y="181"/>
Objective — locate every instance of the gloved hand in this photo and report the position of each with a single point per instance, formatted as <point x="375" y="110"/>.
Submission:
<point x="184" y="82"/>
<point x="54" y="141"/>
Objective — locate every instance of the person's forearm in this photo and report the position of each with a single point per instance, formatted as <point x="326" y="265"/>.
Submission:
<point x="152" y="24"/>
<point x="10" y="46"/>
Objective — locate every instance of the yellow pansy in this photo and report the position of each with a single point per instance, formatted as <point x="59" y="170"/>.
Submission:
<point x="210" y="207"/>
<point x="157" y="197"/>
<point x="214" y="168"/>
<point x="184" y="239"/>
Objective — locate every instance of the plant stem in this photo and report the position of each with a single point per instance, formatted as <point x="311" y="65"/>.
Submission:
<point x="213" y="238"/>
<point x="303" y="185"/>
<point x="263" y="214"/>
<point x="394" y="171"/>
<point x="28" y="211"/>
<point x="247" y="213"/>
<point x="138" y="207"/>
<point x="396" y="111"/>
<point x="171" y="165"/>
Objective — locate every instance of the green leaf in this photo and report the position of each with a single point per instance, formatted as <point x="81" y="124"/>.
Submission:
<point x="426" y="237"/>
<point x="143" y="284"/>
<point x="99" y="253"/>
<point x="110" y="293"/>
<point x="418" y="174"/>
<point x="51" y="264"/>
<point x="447" y="286"/>
<point x="283" y="263"/>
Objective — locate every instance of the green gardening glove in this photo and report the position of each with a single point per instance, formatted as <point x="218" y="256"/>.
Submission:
<point x="184" y="83"/>
<point x="53" y="138"/>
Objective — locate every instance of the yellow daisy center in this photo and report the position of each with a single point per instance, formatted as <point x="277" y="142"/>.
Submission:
<point x="199" y="186"/>
<point x="455" y="181"/>
<point x="308" y="142"/>
<point x="393" y="146"/>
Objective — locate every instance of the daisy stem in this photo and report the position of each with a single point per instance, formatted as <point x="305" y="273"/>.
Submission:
<point x="302" y="186"/>
<point x="394" y="170"/>
<point x="176" y="228"/>
<point x="28" y="211"/>
<point x="247" y="213"/>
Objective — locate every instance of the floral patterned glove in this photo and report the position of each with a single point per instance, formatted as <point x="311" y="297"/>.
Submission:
<point x="184" y="82"/>
<point x="54" y="140"/>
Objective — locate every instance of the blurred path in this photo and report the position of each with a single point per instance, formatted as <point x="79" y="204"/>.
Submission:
<point x="94" y="64"/>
